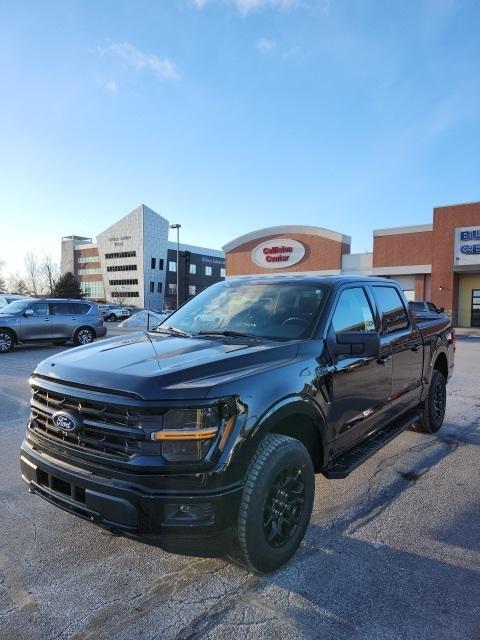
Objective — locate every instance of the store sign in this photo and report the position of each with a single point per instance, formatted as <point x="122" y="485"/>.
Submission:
<point x="467" y="246"/>
<point x="278" y="253"/>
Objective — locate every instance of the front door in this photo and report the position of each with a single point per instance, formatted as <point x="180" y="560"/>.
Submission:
<point x="360" y="386"/>
<point x="475" y="317"/>
<point x="36" y="326"/>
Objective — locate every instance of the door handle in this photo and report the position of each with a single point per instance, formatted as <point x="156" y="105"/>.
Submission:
<point x="384" y="360"/>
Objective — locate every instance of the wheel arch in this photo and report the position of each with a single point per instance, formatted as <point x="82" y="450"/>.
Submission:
<point x="12" y="331"/>
<point x="441" y="364"/>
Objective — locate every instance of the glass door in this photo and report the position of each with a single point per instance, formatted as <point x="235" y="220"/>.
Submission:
<point x="475" y="308"/>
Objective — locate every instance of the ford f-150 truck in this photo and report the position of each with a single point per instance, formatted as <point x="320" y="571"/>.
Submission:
<point x="206" y="434"/>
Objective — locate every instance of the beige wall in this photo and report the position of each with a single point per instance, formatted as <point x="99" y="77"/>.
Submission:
<point x="466" y="283"/>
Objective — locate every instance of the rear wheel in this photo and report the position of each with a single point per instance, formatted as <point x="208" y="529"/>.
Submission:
<point x="276" y="503"/>
<point x="83" y="336"/>
<point x="7" y="341"/>
<point x="434" y="405"/>
<point x="112" y="317"/>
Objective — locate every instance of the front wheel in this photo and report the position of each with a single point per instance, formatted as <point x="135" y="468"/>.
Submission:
<point x="434" y="406"/>
<point x="83" y="336"/>
<point x="276" y="503"/>
<point x="112" y="317"/>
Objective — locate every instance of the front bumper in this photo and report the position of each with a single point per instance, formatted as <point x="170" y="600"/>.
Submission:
<point x="188" y="521"/>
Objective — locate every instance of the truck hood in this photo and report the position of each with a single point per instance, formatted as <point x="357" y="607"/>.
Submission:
<point x="159" y="367"/>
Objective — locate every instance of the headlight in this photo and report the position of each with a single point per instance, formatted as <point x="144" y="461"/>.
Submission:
<point x="188" y="433"/>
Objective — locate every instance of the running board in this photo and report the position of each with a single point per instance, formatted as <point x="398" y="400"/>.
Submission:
<point x="351" y="459"/>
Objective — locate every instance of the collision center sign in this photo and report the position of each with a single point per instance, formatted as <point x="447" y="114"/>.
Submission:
<point x="278" y="253"/>
<point x="467" y="246"/>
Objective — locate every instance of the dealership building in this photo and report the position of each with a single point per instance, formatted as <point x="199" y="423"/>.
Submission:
<point x="132" y="262"/>
<point x="438" y="261"/>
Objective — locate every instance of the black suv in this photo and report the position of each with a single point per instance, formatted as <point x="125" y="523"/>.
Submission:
<point x="206" y="433"/>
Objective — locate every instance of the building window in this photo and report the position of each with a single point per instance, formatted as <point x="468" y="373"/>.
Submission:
<point x="193" y="269"/>
<point x="153" y="263"/>
<point x="172" y="289"/>
<point x="123" y="267"/>
<point x="121" y="254"/>
<point x="192" y="290"/>
<point x="208" y="271"/>
<point x="172" y="266"/>
<point x="89" y="272"/>
<point x="84" y="259"/>
<point x="113" y="283"/>
<point x="152" y="287"/>
<point x="93" y="289"/>
<point x="124" y="294"/>
<point x="159" y="287"/>
<point x="160" y="264"/>
<point x="222" y="272"/>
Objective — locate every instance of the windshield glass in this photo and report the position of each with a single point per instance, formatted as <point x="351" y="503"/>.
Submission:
<point x="15" y="308"/>
<point x="277" y="311"/>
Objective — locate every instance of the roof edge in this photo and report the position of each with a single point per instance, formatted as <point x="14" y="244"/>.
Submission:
<point x="286" y="229"/>
<point x="394" y="231"/>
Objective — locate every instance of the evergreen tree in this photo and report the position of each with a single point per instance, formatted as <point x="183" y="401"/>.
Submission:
<point x="67" y="286"/>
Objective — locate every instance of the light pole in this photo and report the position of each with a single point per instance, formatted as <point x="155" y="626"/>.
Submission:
<point x="177" y="227"/>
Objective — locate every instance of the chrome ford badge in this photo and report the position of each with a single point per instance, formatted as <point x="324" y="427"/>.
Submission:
<point x="65" y="421"/>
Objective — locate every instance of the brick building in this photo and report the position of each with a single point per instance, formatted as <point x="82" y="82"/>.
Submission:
<point x="438" y="261"/>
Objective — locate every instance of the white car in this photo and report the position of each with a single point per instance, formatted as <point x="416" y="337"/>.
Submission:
<point x="114" y="313"/>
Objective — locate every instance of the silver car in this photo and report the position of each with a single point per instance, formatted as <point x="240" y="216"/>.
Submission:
<point x="54" y="319"/>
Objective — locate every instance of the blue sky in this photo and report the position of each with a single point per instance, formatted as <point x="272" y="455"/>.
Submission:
<point x="230" y="115"/>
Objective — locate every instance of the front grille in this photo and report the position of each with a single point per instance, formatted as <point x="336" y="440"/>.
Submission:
<point x="105" y="428"/>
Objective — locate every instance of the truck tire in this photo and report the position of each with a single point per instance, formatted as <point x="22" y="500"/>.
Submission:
<point x="276" y="503"/>
<point x="7" y="340"/>
<point x="433" y="411"/>
<point x="83" y="336"/>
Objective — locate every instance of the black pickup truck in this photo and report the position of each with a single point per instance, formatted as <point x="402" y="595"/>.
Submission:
<point x="205" y="435"/>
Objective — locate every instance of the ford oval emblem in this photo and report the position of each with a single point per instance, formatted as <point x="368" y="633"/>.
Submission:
<point x="65" y="421"/>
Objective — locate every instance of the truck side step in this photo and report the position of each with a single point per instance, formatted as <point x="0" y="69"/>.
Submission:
<point x="343" y="465"/>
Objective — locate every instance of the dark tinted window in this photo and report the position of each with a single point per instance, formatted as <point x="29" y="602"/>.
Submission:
<point x="394" y="316"/>
<point x="416" y="306"/>
<point x="80" y="308"/>
<point x="60" y="308"/>
<point x="153" y="263"/>
<point x="432" y="307"/>
<point x="353" y="312"/>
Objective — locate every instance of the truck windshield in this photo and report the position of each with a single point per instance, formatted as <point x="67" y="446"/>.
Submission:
<point x="15" y="308"/>
<point x="275" y="311"/>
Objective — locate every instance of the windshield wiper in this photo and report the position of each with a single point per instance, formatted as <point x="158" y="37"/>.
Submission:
<point x="229" y="334"/>
<point x="173" y="331"/>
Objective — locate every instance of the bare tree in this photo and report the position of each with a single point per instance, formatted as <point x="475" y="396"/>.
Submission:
<point x="3" y="285"/>
<point x="33" y="272"/>
<point x="50" y="271"/>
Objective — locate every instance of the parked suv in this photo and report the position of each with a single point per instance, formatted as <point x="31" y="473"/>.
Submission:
<point x="6" y="298"/>
<point x="54" y="319"/>
<point x="423" y="309"/>
<point x="114" y="313"/>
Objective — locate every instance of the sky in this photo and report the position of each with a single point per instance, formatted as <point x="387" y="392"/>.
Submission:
<point x="231" y="115"/>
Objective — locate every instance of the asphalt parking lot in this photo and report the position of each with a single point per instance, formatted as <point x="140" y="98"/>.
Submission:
<point x="392" y="552"/>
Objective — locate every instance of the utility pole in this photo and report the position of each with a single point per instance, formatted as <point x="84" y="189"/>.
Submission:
<point x="177" y="227"/>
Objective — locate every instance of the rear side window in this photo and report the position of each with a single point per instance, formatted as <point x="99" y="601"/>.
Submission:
<point x="80" y="308"/>
<point x="59" y="308"/>
<point x="353" y="312"/>
<point x="432" y="307"/>
<point x="394" y="316"/>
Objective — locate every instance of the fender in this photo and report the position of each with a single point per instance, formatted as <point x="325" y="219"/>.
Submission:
<point x="428" y="365"/>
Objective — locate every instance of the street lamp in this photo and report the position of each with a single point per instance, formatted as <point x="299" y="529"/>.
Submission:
<point x="177" y="227"/>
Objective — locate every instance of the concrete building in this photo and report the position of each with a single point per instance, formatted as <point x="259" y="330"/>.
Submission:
<point x="132" y="262"/>
<point x="439" y="261"/>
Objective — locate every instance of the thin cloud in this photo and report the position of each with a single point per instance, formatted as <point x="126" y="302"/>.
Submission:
<point x="111" y="86"/>
<point x="265" y="45"/>
<point x="162" y="67"/>
<point x="244" y="7"/>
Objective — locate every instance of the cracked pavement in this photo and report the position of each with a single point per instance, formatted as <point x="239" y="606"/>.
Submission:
<point x="392" y="552"/>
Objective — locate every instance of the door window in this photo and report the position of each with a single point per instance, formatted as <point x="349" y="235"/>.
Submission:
<point x="353" y="312"/>
<point x="60" y="308"/>
<point x="39" y="309"/>
<point x="394" y="316"/>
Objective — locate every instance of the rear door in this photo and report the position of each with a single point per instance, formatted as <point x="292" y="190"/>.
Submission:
<point x="60" y="317"/>
<point x="403" y="340"/>
<point x="359" y="387"/>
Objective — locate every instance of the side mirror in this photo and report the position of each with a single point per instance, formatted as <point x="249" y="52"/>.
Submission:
<point x="28" y="312"/>
<point x="441" y="310"/>
<point x="357" y="343"/>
